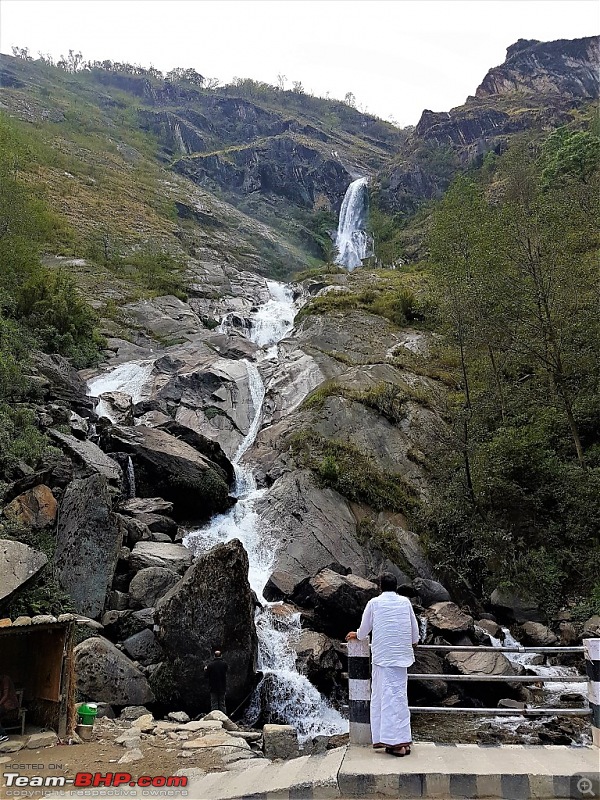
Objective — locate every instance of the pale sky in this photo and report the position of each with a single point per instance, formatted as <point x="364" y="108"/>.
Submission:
<point x="397" y="56"/>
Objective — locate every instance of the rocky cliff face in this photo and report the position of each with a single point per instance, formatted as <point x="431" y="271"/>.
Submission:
<point x="535" y="89"/>
<point x="565" y="67"/>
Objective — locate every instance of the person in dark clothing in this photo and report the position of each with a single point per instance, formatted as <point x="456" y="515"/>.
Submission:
<point x="8" y="702"/>
<point x="216" y="671"/>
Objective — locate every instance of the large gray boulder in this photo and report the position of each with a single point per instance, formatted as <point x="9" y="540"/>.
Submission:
<point x="447" y="617"/>
<point x="88" y="541"/>
<point x="174" y="557"/>
<point x="337" y="601"/>
<point x="167" y="466"/>
<point x="18" y="564"/>
<point x="104" y="674"/>
<point x="430" y="592"/>
<point x="485" y="663"/>
<point x="211" y="607"/>
<point x="149" y="585"/>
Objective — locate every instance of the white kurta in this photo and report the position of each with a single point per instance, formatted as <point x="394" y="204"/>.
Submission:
<point x="391" y="621"/>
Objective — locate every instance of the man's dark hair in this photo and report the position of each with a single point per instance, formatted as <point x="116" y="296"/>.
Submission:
<point x="388" y="582"/>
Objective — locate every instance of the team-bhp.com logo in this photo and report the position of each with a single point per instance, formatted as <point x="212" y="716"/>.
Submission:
<point x="87" y="780"/>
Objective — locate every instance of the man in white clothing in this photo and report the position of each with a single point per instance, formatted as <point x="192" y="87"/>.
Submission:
<point x="391" y="621"/>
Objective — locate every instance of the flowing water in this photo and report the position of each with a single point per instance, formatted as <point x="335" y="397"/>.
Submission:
<point x="130" y="378"/>
<point x="352" y="240"/>
<point x="292" y="698"/>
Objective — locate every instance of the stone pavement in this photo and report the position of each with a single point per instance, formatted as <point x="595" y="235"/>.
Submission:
<point x="445" y="772"/>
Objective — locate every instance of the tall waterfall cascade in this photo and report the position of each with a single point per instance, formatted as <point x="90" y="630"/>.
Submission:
<point x="292" y="698"/>
<point x="353" y="243"/>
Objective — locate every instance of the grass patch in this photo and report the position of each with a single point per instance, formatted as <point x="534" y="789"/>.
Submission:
<point x="343" y="467"/>
<point x="388" y="399"/>
<point x="386" y="541"/>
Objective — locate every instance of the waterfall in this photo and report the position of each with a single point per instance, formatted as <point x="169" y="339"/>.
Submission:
<point x="292" y="698"/>
<point x="352" y="240"/>
<point x="130" y="478"/>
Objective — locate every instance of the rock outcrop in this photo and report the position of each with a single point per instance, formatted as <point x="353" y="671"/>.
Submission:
<point x="88" y="541"/>
<point x="211" y="607"/>
<point x="567" y="67"/>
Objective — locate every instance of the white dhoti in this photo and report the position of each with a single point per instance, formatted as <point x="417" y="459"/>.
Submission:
<point x="390" y="717"/>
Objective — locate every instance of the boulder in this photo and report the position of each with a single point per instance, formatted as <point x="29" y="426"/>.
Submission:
<point x="280" y="741"/>
<point x="88" y="458"/>
<point x="318" y="659"/>
<point x="211" y="607"/>
<point x="149" y="585"/>
<point x="131" y="713"/>
<point x="35" y="508"/>
<point x="167" y="466"/>
<point x="135" y="531"/>
<point x="448" y="617"/>
<point x="178" y="716"/>
<point x="220" y="717"/>
<point x="43" y="739"/>
<point x="88" y="542"/>
<point x="105" y="674"/>
<point x="143" y="647"/>
<point x="337" y="601"/>
<point x="18" y="564"/>
<point x="535" y="634"/>
<point x="280" y="586"/>
<point x="428" y="692"/>
<point x="146" y="505"/>
<point x="314" y="526"/>
<point x="485" y="663"/>
<point x="511" y="607"/>
<point x="119" y="625"/>
<point x="174" y="557"/>
<point x="209" y="448"/>
<point x="591" y="627"/>
<point x="490" y="627"/>
<point x="430" y="592"/>
<point x="118" y="406"/>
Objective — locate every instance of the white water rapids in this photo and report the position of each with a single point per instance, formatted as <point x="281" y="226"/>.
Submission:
<point x="352" y="241"/>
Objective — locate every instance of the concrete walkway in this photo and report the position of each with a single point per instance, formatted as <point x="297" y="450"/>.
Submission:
<point x="445" y="772"/>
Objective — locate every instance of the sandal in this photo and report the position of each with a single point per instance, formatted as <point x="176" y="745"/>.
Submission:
<point x="400" y="752"/>
<point x="378" y="746"/>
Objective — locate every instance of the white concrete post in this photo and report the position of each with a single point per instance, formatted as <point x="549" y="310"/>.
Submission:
<point x="359" y="691"/>
<point x="592" y="667"/>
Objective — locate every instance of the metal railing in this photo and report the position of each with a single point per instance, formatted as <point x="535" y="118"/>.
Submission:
<point x="481" y="677"/>
<point x="359" y="685"/>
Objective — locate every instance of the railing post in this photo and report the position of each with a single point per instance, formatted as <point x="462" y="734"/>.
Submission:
<point x="359" y="691"/>
<point x="592" y="667"/>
